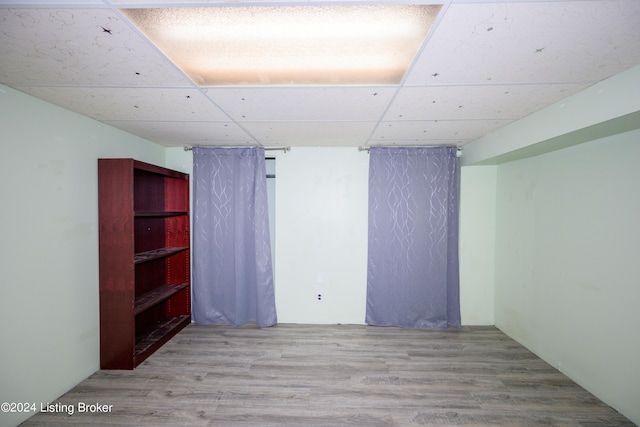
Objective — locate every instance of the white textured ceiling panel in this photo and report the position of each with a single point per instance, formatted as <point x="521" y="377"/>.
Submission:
<point x="331" y="134"/>
<point x="76" y="3"/>
<point x="200" y="3"/>
<point x="425" y="132"/>
<point x="475" y="101"/>
<point x="485" y="64"/>
<point x="147" y="104"/>
<point x="531" y="42"/>
<point x="173" y="134"/>
<point x="80" y="47"/>
<point x="303" y="103"/>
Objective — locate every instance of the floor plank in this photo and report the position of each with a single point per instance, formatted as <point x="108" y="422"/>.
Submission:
<point x="336" y="375"/>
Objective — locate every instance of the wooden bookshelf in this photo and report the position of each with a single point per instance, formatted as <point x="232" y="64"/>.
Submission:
<point x="145" y="293"/>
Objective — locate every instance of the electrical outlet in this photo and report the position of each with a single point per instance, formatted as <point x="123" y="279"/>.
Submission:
<point x="319" y="278"/>
<point x="319" y="297"/>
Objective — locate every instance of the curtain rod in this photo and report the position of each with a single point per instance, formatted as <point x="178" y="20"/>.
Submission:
<point x="285" y="149"/>
<point x="367" y="149"/>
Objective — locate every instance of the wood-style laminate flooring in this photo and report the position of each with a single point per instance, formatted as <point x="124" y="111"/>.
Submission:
<point x="336" y="375"/>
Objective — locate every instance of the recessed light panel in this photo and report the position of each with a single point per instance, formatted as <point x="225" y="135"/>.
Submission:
<point x="289" y="45"/>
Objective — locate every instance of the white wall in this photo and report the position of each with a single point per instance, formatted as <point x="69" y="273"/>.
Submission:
<point x="567" y="277"/>
<point x="49" y="319"/>
<point x="321" y="228"/>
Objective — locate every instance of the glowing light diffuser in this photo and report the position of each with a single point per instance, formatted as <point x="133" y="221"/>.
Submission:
<point x="289" y="45"/>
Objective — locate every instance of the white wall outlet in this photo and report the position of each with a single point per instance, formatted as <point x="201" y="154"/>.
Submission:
<point x="319" y="278"/>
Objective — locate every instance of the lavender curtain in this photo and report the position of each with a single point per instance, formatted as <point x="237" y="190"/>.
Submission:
<point x="412" y="274"/>
<point x="232" y="272"/>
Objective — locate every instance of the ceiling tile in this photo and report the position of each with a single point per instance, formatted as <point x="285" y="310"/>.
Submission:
<point x="172" y="134"/>
<point x="302" y="103"/>
<point x="54" y="3"/>
<point x="531" y="42"/>
<point x="487" y="63"/>
<point x="475" y="101"/>
<point x="421" y="131"/>
<point x="78" y="47"/>
<point x="310" y="134"/>
<point x="196" y="3"/>
<point x="149" y="104"/>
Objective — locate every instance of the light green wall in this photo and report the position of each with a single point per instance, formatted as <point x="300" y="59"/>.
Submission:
<point x="609" y="107"/>
<point x="567" y="277"/>
<point x="477" y="235"/>
<point x="179" y="159"/>
<point x="49" y="321"/>
<point x="566" y="204"/>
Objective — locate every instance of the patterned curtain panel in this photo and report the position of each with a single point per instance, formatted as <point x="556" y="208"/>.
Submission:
<point x="232" y="272"/>
<point x="412" y="275"/>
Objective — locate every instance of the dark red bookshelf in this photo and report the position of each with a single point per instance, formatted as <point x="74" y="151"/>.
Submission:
<point x="145" y="293"/>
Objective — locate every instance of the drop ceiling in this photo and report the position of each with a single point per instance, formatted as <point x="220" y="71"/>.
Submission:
<point x="483" y="65"/>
